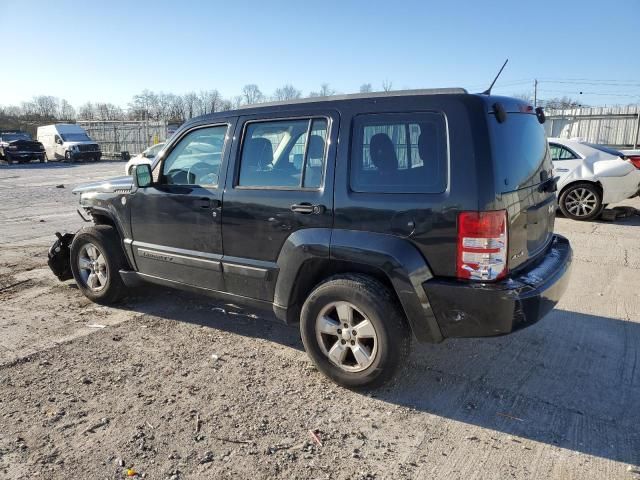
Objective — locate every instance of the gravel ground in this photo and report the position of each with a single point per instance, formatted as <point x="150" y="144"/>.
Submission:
<point x="176" y="386"/>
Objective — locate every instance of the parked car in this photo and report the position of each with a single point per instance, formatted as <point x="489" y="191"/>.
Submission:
<point x="18" y="146"/>
<point x="591" y="176"/>
<point x="432" y="217"/>
<point x="68" y="142"/>
<point x="145" y="157"/>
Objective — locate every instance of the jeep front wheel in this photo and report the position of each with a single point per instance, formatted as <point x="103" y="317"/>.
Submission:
<point x="96" y="259"/>
<point x="354" y="331"/>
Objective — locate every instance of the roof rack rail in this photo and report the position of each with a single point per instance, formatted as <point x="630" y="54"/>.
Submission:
<point x="355" y="96"/>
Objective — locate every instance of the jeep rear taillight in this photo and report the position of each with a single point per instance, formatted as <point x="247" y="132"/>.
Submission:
<point x="482" y="245"/>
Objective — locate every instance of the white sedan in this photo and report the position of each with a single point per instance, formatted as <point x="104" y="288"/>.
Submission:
<point x="145" y="157"/>
<point x="591" y="177"/>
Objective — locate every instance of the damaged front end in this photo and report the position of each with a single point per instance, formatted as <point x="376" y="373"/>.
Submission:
<point x="60" y="256"/>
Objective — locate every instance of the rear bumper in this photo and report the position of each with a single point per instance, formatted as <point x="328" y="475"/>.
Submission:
<point x="23" y="155"/>
<point x="464" y="309"/>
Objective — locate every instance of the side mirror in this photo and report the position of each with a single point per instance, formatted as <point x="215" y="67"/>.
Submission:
<point x="142" y="177"/>
<point x="58" y="141"/>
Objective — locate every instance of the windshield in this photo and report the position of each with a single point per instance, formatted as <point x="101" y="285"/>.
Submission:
<point x="10" y="137"/>
<point x="602" y="148"/>
<point x="75" y="137"/>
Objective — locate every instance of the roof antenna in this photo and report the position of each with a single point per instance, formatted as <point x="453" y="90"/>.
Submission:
<point x="488" y="90"/>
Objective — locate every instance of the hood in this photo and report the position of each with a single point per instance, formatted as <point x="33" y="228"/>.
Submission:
<point x="112" y="185"/>
<point x="21" y="141"/>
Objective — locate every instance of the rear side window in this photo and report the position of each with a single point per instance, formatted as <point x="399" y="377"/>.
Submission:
<point x="560" y="153"/>
<point x="399" y="153"/>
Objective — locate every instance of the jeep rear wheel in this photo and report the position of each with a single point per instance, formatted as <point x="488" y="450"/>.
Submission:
<point x="96" y="259"/>
<point x="354" y="331"/>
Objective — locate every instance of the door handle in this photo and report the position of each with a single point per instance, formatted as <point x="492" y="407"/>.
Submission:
<point x="203" y="202"/>
<point x="307" y="208"/>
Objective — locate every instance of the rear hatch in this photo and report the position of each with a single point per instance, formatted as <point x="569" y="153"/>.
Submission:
<point x="523" y="178"/>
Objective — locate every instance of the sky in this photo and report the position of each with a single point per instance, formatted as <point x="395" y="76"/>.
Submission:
<point x="108" y="51"/>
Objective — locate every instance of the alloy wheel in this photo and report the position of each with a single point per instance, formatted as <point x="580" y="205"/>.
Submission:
<point x="581" y="202"/>
<point x="346" y="336"/>
<point x="92" y="266"/>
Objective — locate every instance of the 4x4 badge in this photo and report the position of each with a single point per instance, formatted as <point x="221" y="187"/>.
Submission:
<point x="517" y="255"/>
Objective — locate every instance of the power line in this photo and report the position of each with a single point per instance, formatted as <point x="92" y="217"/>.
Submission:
<point x="614" y="84"/>
<point x="589" y="93"/>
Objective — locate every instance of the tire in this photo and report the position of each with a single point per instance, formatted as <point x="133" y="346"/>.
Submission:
<point x="108" y="260"/>
<point x="581" y="201"/>
<point x="368" y="299"/>
<point x="67" y="157"/>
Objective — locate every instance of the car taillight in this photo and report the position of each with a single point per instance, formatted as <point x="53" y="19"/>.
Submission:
<point x="482" y="245"/>
<point x="635" y="159"/>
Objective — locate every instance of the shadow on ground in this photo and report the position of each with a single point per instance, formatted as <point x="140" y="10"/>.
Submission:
<point x="570" y="381"/>
<point x="54" y="164"/>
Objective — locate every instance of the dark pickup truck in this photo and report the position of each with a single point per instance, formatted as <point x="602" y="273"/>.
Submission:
<point x="18" y="146"/>
<point x="367" y="219"/>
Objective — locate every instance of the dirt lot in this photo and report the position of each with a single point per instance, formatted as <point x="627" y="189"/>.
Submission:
<point x="175" y="386"/>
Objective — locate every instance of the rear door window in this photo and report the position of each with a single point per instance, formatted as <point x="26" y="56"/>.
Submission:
<point x="560" y="153"/>
<point x="287" y="154"/>
<point x="399" y="153"/>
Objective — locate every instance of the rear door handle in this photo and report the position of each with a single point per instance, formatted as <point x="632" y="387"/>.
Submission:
<point x="307" y="208"/>
<point x="203" y="202"/>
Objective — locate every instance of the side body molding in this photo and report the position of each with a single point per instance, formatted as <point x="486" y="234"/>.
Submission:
<point x="404" y="266"/>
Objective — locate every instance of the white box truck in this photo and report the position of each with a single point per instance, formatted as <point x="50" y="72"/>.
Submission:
<point x="68" y="142"/>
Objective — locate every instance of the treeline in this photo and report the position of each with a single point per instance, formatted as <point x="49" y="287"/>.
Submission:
<point x="149" y="105"/>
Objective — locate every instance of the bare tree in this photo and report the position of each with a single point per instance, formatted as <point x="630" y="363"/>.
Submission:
<point x="251" y="94"/>
<point x="210" y="101"/>
<point x="325" y="91"/>
<point x="387" y="85"/>
<point x="286" y="92"/>
<point x="366" y="88"/>
<point x="190" y="101"/>
<point x="66" y="111"/>
<point x="86" y="112"/>
<point x="46" y="106"/>
<point x="560" y="103"/>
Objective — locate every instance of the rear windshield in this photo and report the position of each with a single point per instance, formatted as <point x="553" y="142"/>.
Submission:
<point x="602" y="148"/>
<point x="519" y="150"/>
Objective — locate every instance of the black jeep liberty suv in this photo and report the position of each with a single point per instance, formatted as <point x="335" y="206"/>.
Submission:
<point x="367" y="219"/>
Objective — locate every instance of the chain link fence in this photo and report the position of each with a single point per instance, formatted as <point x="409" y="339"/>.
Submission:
<point x="117" y="136"/>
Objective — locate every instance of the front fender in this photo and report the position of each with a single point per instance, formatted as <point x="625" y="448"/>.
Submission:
<point x="111" y="206"/>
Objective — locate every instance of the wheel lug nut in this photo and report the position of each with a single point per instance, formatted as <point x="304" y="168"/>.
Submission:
<point x="346" y="326"/>
<point x="354" y="333"/>
<point x="353" y="342"/>
<point x="339" y="331"/>
<point x="343" y="342"/>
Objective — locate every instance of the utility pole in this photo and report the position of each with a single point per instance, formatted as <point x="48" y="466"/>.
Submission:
<point x="535" y="93"/>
